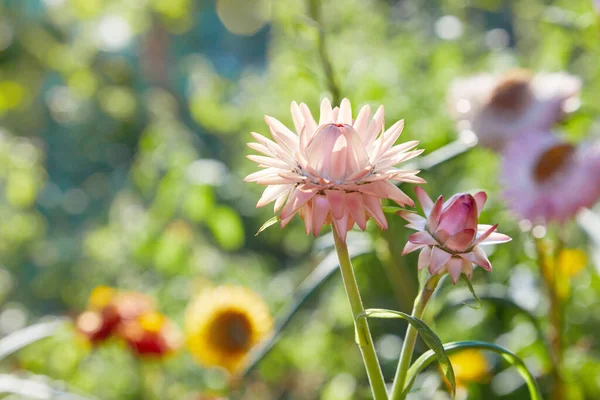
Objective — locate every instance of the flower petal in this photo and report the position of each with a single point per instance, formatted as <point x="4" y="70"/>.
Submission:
<point x="342" y="225"/>
<point x="345" y="116"/>
<point x="423" y="237"/>
<point x="415" y="220"/>
<point x="320" y="210"/>
<point x="362" y="121"/>
<point x="268" y="161"/>
<point x="297" y="117"/>
<point x="309" y="121"/>
<point x="424" y="258"/>
<point x="436" y="212"/>
<point x="409" y="247"/>
<point x="326" y="116"/>
<point x="439" y="258"/>
<point x="271" y="193"/>
<point x="478" y="256"/>
<point x="336" y="199"/>
<point x="424" y="199"/>
<point x="354" y="203"/>
<point x="454" y="268"/>
<point x="373" y="207"/>
<point x="282" y="134"/>
<point x="461" y="241"/>
<point x="480" y="199"/>
<point x="298" y="197"/>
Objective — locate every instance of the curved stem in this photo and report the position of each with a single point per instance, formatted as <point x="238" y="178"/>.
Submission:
<point x="363" y="335"/>
<point x="410" y="338"/>
<point x="427" y="358"/>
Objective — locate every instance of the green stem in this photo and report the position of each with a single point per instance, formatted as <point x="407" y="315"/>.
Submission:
<point x="315" y="14"/>
<point x="410" y="338"/>
<point x="549" y="269"/>
<point x="363" y="335"/>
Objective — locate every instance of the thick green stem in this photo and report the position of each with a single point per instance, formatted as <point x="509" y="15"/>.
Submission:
<point x="410" y="338"/>
<point x="363" y="335"/>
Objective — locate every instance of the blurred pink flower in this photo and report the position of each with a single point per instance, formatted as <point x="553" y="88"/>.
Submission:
<point x="334" y="171"/>
<point x="547" y="179"/>
<point x="450" y="237"/>
<point x="499" y="107"/>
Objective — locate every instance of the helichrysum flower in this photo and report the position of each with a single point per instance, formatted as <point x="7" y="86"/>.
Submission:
<point x="450" y="237"/>
<point x="223" y="324"/>
<point x="547" y="179"/>
<point x="334" y="171"/>
<point x="499" y="107"/>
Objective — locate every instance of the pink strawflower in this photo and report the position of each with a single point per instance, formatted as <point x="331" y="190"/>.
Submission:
<point x="547" y="179"/>
<point x="499" y="107"/>
<point x="334" y="171"/>
<point x="449" y="237"/>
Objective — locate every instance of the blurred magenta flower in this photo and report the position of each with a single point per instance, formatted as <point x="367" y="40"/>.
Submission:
<point x="499" y="107"/>
<point x="334" y="171"/>
<point x="450" y="237"/>
<point x="547" y="179"/>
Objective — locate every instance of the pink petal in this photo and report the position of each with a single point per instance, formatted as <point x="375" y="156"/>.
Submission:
<point x="307" y="217"/>
<point x="282" y="134"/>
<point x="436" y="212"/>
<point x="424" y="258"/>
<point x="459" y="213"/>
<point x="467" y="268"/>
<point x="253" y="177"/>
<point x="279" y="180"/>
<point x="454" y="268"/>
<point x="439" y="258"/>
<point x="478" y="256"/>
<point x="309" y="121"/>
<point x="297" y="199"/>
<point x="423" y="237"/>
<point x="270" y="194"/>
<point x="286" y="221"/>
<point x="481" y="236"/>
<point x="260" y="148"/>
<point x="341" y="225"/>
<point x="480" y="199"/>
<point x="461" y="241"/>
<point x="373" y="207"/>
<point x="375" y="127"/>
<point x="409" y="247"/>
<point x="388" y="138"/>
<point x="326" y="115"/>
<point x="268" y="161"/>
<point x="320" y="209"/>
<point x="280" y="201"/>
<point x="357" y="210"/>
<point x="495" y="238"/>
<point x="297" y="117"/>
<point x="345" y="116"/>
<point x="336" y="199"/>
<point x="338" y="158"/>
<point x="362" y="121"/>
<point x="424" y="199"/>
<point x="415" y="220"/>
<point x="393" y="192"/>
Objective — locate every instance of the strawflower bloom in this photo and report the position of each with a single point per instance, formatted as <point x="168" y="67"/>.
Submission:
<point x="547" y="179"/>
<point x="499" y="107"/>
<point x="151" y="335"/>
<point x="334" y="171"/>
<point x="223" y="324"/>
<point x="449" y="237"/>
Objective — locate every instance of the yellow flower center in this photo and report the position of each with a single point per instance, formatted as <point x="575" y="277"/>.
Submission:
<point x="551" y="161"/>
<point x="512" y="93"/>
<point x="231" y="332"/>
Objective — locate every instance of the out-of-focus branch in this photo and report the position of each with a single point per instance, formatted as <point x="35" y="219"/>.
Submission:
<point x="314" y="8"/>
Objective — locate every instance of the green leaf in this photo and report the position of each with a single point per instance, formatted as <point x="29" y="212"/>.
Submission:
<point x="267" y="224"/>
<point x="429" y="337"/>
<point x="470" y="286"/>
<point x="392" y="209"/>
<point x="428" y="357"/>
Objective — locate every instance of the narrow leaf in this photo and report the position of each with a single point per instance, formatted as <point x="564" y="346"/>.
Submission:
<point x="428" y="357"/>
<point x="429" y="337"/>
<point x="26" y="336"/>
<point x="271" y="221"/>
<point x="392" y="209"/>
<point x="470" y="286"/>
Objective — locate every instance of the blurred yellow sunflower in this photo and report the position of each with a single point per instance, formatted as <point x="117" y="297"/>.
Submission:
<point x="469" y="366"/>
<point x="224" y="323"/>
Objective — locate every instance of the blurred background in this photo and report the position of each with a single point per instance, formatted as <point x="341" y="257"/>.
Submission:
<point x="123" y="131"/>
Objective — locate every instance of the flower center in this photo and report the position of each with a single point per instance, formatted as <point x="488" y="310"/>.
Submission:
<point x="231" y="332"/>
<point x="551" y="161"/>
<point x="512" y="93"/>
